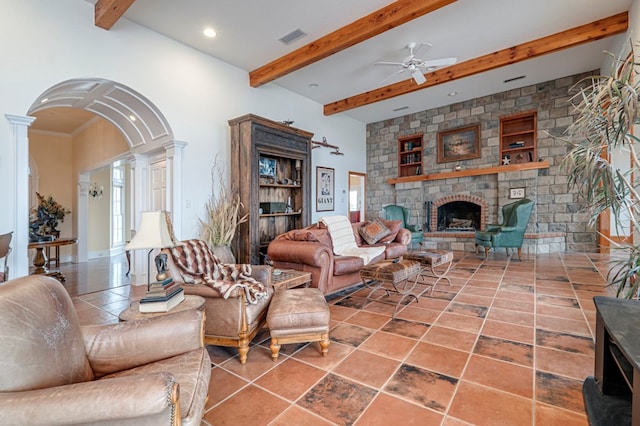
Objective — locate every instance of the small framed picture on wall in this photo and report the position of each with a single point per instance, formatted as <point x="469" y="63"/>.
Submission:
<point x="325" y="189"/>
<point x="516" y="193"/>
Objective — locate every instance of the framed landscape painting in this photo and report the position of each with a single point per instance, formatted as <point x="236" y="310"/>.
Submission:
<point x="459" y="144"/>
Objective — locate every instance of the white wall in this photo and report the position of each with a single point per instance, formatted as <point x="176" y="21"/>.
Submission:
<point x="48" y="42"/>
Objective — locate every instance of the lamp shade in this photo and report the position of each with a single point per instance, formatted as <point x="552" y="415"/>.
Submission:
<point x="153" y="232"/>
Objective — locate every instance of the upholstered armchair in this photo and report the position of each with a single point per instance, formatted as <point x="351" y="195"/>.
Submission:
<point x="230" y="321"/>
<point x="509" y="233"/>
<point x="53" y="371"/>
<point x="394" y="212"/>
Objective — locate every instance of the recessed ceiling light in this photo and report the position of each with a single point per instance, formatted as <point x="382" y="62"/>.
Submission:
<point x="452" y="93"/>
<point x="132" y="118"/>
<point x="313" y="85"/>
<point x="44" y="100"/>
<point x="209" y="32"/>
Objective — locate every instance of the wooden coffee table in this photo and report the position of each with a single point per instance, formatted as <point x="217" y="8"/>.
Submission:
<point x="289" y="278"/>
<point x="190" y="302"/>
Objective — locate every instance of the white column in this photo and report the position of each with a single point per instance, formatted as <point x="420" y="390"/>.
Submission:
<point x="82" y="218"/>
<point x="174" y="152"/>
<point x="139" y="181"/>
<point x="19" y="259"/>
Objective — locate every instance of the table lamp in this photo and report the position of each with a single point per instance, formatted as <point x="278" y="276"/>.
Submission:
<point x="153" y="234"/>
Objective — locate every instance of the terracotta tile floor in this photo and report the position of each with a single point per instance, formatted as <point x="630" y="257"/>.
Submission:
<point x="508" y="343"/>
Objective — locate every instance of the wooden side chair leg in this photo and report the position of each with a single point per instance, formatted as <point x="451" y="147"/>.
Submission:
<point x="486" y="253"/>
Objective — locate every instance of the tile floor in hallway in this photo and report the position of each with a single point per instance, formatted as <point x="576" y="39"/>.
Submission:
<point x="508" y="343"/>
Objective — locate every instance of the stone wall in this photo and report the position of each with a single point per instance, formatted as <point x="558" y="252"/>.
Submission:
<point x="557" y="208"/>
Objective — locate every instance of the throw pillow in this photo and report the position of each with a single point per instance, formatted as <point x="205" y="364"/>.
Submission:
<point x="374" y="231"/>
<point x="394" y="226"/>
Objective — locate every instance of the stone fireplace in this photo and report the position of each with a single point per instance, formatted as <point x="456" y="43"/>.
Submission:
<point x="459" y="213"/>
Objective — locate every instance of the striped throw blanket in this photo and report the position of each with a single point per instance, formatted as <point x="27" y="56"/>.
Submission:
<point x="198" y="265"/>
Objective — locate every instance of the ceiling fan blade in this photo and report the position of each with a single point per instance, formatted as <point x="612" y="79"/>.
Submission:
<point x="389" y="63"/>
<point x="418" y="76"/>
<point x="389" y="77"/>
<point x="442" y="62"/>
<point x="422" y="49"/>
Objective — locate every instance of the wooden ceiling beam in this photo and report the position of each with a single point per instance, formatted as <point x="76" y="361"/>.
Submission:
<point x="596" y="30"/>
<point x="107" y="12"/>
<point x="384" y="19"/>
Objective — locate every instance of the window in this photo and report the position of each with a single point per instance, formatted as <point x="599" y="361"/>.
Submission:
<point x="117" y="206"/>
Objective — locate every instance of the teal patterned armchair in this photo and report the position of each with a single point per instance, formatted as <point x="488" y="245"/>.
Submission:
<point x="510" y="233"/>
<point x="394" y="212"/>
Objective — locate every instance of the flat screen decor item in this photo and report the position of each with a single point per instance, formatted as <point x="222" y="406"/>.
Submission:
<point x="325" y="189"/>
<point x="267" y="166"/>
<point x="459" y="144"/>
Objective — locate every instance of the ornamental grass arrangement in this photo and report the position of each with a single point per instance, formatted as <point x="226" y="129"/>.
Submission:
<point x="222" y="211"/>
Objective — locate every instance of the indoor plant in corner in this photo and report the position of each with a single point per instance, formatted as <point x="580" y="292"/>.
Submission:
<point x="222" y="216"/>
<point x="608" y="110"/>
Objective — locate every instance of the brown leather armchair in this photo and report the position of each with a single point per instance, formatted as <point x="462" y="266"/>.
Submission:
<point x="229" y="322"/>
<point x="54" y="371"/>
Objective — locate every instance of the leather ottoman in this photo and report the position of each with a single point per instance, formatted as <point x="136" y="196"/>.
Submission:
<point x="298" y="315"/>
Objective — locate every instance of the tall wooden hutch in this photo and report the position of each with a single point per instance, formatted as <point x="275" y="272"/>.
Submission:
<point x="271" y="171"/>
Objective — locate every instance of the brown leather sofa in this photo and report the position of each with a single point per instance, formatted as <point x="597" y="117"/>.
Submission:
<point x="56" y="372"/>
<point x="310" y="250"/>
<point x="228" y="322"/>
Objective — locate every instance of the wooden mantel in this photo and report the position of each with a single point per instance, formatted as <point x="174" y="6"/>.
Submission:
<point x="471" y="172"/>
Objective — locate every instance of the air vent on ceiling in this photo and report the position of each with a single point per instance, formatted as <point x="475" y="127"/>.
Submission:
<point x="520" y="77"/>
<point x="401" y="108"/>
<point x="292" y="36"/>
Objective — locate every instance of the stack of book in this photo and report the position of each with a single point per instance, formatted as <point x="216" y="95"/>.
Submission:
<point x="162" y="296"/>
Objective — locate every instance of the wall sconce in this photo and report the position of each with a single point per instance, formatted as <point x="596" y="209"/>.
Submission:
<point x="95" y="191"/>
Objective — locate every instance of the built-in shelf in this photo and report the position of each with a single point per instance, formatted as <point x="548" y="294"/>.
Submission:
<point x="278" y="185"/>
<point x="471" y="172"/>
<point x="518" y="138"/>
<point x="280" y="214"/>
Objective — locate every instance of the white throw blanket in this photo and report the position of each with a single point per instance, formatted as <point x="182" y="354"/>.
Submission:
<point x="344" y="242"/>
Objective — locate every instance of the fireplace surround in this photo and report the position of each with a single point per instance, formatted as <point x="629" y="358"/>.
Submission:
<point x="461" y="207"/>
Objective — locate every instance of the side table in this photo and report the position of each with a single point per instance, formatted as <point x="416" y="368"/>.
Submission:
<point x="431" y="259"/>
<point x="401" y="274"/>
<point x="289" y="278"/>
<point x="190" y="302"/>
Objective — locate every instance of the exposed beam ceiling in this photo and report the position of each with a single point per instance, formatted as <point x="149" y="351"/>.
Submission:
<point x="384" y="19"/>
<point x="596" y="30"/>
<point x="107" y="12"/>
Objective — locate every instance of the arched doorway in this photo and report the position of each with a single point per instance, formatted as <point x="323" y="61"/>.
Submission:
<point x="148" y="135"/>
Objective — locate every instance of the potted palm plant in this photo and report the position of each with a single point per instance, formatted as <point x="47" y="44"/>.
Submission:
<point x="608" y="109"/>
<point x="222" y="219"/>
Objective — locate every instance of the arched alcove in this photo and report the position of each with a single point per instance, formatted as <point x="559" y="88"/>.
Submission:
<point x="144" y="128"/>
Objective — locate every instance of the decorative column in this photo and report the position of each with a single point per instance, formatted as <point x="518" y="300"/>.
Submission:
<point x="19" y="260"/>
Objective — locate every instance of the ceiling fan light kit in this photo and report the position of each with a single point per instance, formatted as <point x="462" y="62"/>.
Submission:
<point x="416" y="66"/>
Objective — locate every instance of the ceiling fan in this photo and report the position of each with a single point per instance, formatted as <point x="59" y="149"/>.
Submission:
<point x="417" y="67"/>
